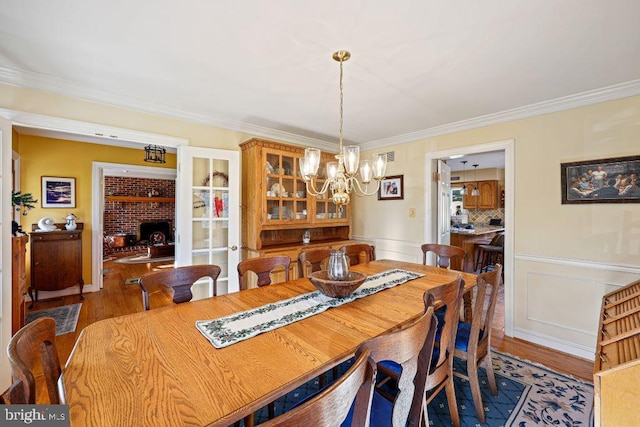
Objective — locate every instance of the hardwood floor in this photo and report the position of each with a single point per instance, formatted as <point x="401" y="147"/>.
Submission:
<point x="117" y="299"/>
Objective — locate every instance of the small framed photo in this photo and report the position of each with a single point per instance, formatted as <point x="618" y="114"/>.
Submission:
<point x="612" y="180"/>
<point x="58" y="192"/>
<point x="391" y="188"/>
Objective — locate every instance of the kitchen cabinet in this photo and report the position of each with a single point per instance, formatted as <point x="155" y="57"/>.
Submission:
<point x="488" y="198"/>
<point x="18" y="282"/>
<point x="276" y="208"/>
<point x="56" y="260"/>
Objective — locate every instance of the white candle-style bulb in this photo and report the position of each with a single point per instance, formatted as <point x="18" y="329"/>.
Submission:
<point x="351" y="155"/>
<point x="379" y="165"/>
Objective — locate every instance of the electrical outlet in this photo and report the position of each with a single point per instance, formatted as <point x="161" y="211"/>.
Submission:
<point x="412" y="212"/>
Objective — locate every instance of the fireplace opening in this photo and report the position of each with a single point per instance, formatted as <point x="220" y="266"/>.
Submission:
<point x="147" y="228"/>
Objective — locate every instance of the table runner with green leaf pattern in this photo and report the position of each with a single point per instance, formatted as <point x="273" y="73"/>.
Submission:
<point x="236" y="327"/>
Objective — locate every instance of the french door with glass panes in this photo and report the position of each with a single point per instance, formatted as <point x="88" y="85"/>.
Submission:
<point x="208" y="215"/>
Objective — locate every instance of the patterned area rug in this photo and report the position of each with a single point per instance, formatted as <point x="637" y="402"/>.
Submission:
<point x="66" y="317"/>
<point x="528" y="395"/>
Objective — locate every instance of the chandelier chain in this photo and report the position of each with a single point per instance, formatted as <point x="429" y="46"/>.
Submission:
<point x="341" y="104"/>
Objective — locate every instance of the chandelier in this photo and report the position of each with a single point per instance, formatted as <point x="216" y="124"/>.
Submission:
<point x="342" y="174"/>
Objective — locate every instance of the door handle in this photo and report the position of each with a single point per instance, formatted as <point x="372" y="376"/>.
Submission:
<point x="233" y="248"/>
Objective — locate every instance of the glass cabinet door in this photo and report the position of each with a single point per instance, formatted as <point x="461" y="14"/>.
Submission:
<point x="285" y="194"/>
<point x="207" y="211"/>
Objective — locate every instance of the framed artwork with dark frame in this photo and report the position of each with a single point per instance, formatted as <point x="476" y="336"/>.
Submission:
<point x="58" y="192"/>
<point x="613" y="180"/>
<point x="391" y="188"/>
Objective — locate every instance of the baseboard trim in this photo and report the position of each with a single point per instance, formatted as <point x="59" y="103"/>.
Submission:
<point x="554" y="343"/>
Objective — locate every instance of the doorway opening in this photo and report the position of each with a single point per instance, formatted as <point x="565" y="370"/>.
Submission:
<point x="120" y="225"/>
<point x="433" y="226"/>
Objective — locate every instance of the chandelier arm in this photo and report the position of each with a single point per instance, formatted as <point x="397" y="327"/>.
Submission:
<point x="312" y="190"/>
<point x="359" y="191"/>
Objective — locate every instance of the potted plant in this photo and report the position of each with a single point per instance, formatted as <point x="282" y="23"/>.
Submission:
<point x="22" y="203"/>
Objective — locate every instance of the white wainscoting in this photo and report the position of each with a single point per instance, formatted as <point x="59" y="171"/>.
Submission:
<point x="557" y="301"/>
<point x="398" y="250"/>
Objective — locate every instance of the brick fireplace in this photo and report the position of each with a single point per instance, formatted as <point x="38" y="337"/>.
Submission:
<point x="124" y="218"/>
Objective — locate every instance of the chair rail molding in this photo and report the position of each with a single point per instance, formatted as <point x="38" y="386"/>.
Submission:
<point x="619" y="268"/>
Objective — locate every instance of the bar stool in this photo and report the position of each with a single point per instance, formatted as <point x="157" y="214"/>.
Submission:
<point x="492" y="253"/>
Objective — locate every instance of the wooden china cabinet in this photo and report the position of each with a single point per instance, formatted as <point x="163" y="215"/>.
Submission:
<point x="276" y="208"/>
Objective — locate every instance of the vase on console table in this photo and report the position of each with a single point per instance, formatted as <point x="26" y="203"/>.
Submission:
<point x="71" y="222"/>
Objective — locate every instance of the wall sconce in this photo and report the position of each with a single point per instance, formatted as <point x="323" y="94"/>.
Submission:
<point x="154" y="154"/>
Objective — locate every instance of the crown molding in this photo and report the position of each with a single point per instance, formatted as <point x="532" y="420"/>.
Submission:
<point x="609" y="93"/>
<point x="64" y="87"/>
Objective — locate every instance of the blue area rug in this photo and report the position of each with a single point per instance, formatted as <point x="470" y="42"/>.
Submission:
<point x="66" y="317"/>
<point x="528" y="395"/>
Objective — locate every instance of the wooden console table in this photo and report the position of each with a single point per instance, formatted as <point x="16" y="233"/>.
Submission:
<point x="56" y="260"/>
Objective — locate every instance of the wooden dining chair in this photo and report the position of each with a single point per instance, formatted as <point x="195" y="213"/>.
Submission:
<point x="409" y="350"/>
<point x="179" y="280"/>
<point x="473" y="340"/>
<point x="446" y="256"/>
<point x="331" y="406"/>
<point x="14" y="395"/>
<point x="359" y="252"/>
<point x="440" y="373"/>
<point x="32" y="349"/>
<point x="262" y="267"/>
<point x="311" y="260"/>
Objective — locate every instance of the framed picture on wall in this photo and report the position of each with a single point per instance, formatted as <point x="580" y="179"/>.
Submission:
<point x="391" y="188"/>
<point x="58" y="192"/>
<point x="612" y="180"/>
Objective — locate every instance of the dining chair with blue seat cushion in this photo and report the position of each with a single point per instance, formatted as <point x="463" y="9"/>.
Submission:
<point x="439" y="368"/>
<point x="410" y="348"/>
<point x="473" y="340"/>
<point x="331" y="406"/>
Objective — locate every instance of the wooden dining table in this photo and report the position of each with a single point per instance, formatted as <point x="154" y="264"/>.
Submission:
<point x="155" y="368"/>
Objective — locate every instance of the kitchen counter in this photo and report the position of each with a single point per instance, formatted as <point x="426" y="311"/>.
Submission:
<point x="468" y="239"/>
<point x="478" y="230"/>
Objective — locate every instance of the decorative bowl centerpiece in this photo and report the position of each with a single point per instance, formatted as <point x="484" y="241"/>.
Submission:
<point x="336" y="288"/>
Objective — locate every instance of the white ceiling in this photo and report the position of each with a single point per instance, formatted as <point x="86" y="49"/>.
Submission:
<point x="264" y="67"/>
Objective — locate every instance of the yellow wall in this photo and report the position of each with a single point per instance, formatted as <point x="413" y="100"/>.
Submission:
<point x="567" y="256"/>
<point x="41" y="156"/>
<point x="37" y="102"/>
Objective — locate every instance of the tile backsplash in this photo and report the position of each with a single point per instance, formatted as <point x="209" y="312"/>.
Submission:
<point x="482" y="216"/>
